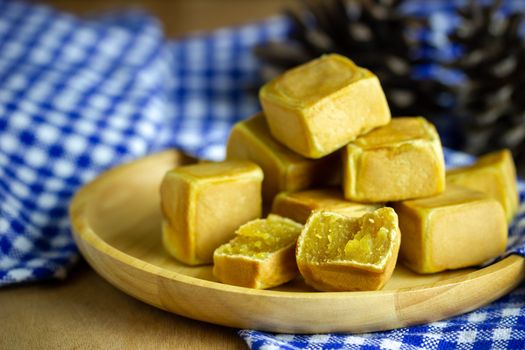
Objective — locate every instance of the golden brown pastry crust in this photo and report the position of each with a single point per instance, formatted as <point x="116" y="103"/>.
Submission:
<point x="456" y="229"/>
<point x="278" y="268"/>
<point x="203" y="204"/>
<point x="401" y="160"/>
<point x="318" y="107"/>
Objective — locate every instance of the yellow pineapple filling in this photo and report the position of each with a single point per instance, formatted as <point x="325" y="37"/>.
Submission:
<point x="261" y="237"/>
<point x="365" y="241"/>
<point x="368" y="247"/>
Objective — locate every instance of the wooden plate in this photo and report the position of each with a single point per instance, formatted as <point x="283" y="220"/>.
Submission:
<point x="116" y="221"/>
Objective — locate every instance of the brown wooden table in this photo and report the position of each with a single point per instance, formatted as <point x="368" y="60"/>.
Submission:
<point x="84" y="311"/>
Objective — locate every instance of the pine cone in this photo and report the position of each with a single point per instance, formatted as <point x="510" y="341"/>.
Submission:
<point x="373" y="33"/>
<point x="490" y="102"/>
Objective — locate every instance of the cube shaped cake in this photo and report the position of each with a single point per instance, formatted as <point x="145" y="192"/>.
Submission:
<point x="284" y="170"/>
<point x="458" y="228"/>
<point x="203" y="204"/>
<point x="318" y="107"/>
<point x="262" y="254"/>
<point x="401" y="160"/>
<point x="494" y="174"/>
<point x="339" y="253"/>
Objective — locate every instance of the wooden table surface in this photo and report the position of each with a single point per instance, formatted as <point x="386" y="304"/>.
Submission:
<point x="84" y="311"/>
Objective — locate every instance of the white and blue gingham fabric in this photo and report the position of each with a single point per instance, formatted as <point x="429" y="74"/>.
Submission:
<point x="78" y="96"/>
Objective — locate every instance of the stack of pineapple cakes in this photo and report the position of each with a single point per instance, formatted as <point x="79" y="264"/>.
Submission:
<point x="350" y="191"/>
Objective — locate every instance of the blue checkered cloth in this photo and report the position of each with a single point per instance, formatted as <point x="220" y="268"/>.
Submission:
<point x="78" y="96"/>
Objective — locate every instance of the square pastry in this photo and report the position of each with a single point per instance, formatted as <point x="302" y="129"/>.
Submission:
<point x="318" y="107"/>
<point x="399" y="161"/>
<point x="203" y="204"/>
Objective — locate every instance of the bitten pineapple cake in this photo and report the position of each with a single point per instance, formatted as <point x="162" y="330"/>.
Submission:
<point x="203" y="204"/>
<point x="299" y="205"/>
<point x="339" y="253"/>
<point x="494" y="174"/>
<point x="284" y="170"/>
<point x="320" y="106"/>
<point x="262" y="254"/>
<point x="401" y="160"/>
<point x="457" y="228"/>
